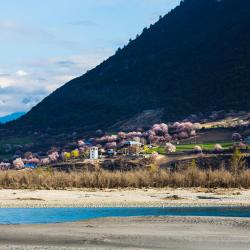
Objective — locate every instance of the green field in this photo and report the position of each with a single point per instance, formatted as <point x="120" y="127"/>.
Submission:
<point x="188" y="147"/>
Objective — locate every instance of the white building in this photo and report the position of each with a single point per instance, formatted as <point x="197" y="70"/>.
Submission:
<point x="94" y="153"/>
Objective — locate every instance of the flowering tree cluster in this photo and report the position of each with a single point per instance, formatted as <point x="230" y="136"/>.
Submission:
<point x="114" y="141"/>
<point x="158" y="133"/>
<point x="161" y="133"/>
<point x="184" y="130"/>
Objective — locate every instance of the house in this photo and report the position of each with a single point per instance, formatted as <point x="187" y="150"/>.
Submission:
<point x="30" y="165"/>
<point x="93" y="153"/>
<point x="111" y="152"/>
<point x="132" y="147"/>
<point x="132" y="143"/>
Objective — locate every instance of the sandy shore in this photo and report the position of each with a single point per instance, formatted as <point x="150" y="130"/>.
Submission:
<point x="124" y="198"/>
<point x="131" y="233"/>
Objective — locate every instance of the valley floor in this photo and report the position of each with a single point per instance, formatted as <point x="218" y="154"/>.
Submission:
<point x="124" y="197"/>
<point x="131" y="233"/>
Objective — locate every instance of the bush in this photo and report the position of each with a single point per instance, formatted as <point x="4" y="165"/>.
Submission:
<point x="238" y="162"/>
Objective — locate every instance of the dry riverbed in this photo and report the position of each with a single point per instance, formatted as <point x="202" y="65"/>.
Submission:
<point x="131" y="233"/>
<point x="124" y="197"/>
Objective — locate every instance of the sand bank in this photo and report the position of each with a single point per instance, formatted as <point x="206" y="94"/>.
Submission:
<point x="131" y="233"/>
<point x="124" y="198"/>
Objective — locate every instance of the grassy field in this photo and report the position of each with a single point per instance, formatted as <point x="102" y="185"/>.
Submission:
<point x="206" y="146"/>
<point x="188" y="147"/>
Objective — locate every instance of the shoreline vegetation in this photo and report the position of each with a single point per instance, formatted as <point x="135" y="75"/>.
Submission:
<point x="148" y="185"/>
<point x="151" y="177"/>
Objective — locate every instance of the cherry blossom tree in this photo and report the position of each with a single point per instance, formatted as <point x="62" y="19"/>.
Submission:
<point x="153" y="156"/>
<point x="218" y="148"/>
<point x="45" y="161"/>
<point x="158" y="133"/>
<point x="193" y="133"/>
<point x="133" y="134"/>
<point x="183" y="135"/>
<point x="236" y="137"/>
<point x="170" y="148"/>
<point x="198" y="149"/>
<point x="54" y="156"/>
<point x="107" y="138"/>
<point x="80" y="143"/>
<point x="122" y="135"/>
<point x="18" y="163"/>
<point x="111" y="145"/>
<point x="197" y="126"/>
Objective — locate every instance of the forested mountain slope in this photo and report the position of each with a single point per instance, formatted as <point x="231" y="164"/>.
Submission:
<point x="196" y="58"/>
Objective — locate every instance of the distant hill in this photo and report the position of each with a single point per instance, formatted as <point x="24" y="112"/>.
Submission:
<point x="194" y="59"/>
<point x="11" y="117"/>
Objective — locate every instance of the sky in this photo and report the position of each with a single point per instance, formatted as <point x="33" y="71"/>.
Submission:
<point x="44" y="44"/>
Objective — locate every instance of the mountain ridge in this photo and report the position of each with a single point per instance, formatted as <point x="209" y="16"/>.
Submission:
<point x="11" y="117"/>
<point x="194" y="59"/>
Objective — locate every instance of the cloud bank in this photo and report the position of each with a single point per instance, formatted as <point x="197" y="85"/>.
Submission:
<point x="22" y="89"/>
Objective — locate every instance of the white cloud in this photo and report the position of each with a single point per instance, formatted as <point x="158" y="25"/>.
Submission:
<point x="20" y="91"/>
<point x="21" y="73"/>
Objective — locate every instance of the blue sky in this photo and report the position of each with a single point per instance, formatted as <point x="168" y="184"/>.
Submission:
<point x="43" y="44"/>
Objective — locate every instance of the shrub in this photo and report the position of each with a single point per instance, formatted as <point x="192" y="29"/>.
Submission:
<point x="238" y="162"/>
<point x="236" y="137"/>
<point x="170" y="148"/>
<point x="218" y="148"/>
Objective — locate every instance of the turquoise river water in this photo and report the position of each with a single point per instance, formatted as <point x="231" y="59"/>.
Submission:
<point x="59" y="215"/>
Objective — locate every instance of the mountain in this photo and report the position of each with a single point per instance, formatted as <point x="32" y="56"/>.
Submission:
<point x="11" y="117"/>
<point x="194" y="59"/>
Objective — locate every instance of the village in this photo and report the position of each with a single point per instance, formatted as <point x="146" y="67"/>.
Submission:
<point x="169" y="143"/>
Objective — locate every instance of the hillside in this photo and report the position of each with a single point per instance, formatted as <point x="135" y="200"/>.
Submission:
<point x="194" y="59"/>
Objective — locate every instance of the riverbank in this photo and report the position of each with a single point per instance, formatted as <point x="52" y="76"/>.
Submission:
<point x="124" y="197"/>
<point x="131" y="233"/>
